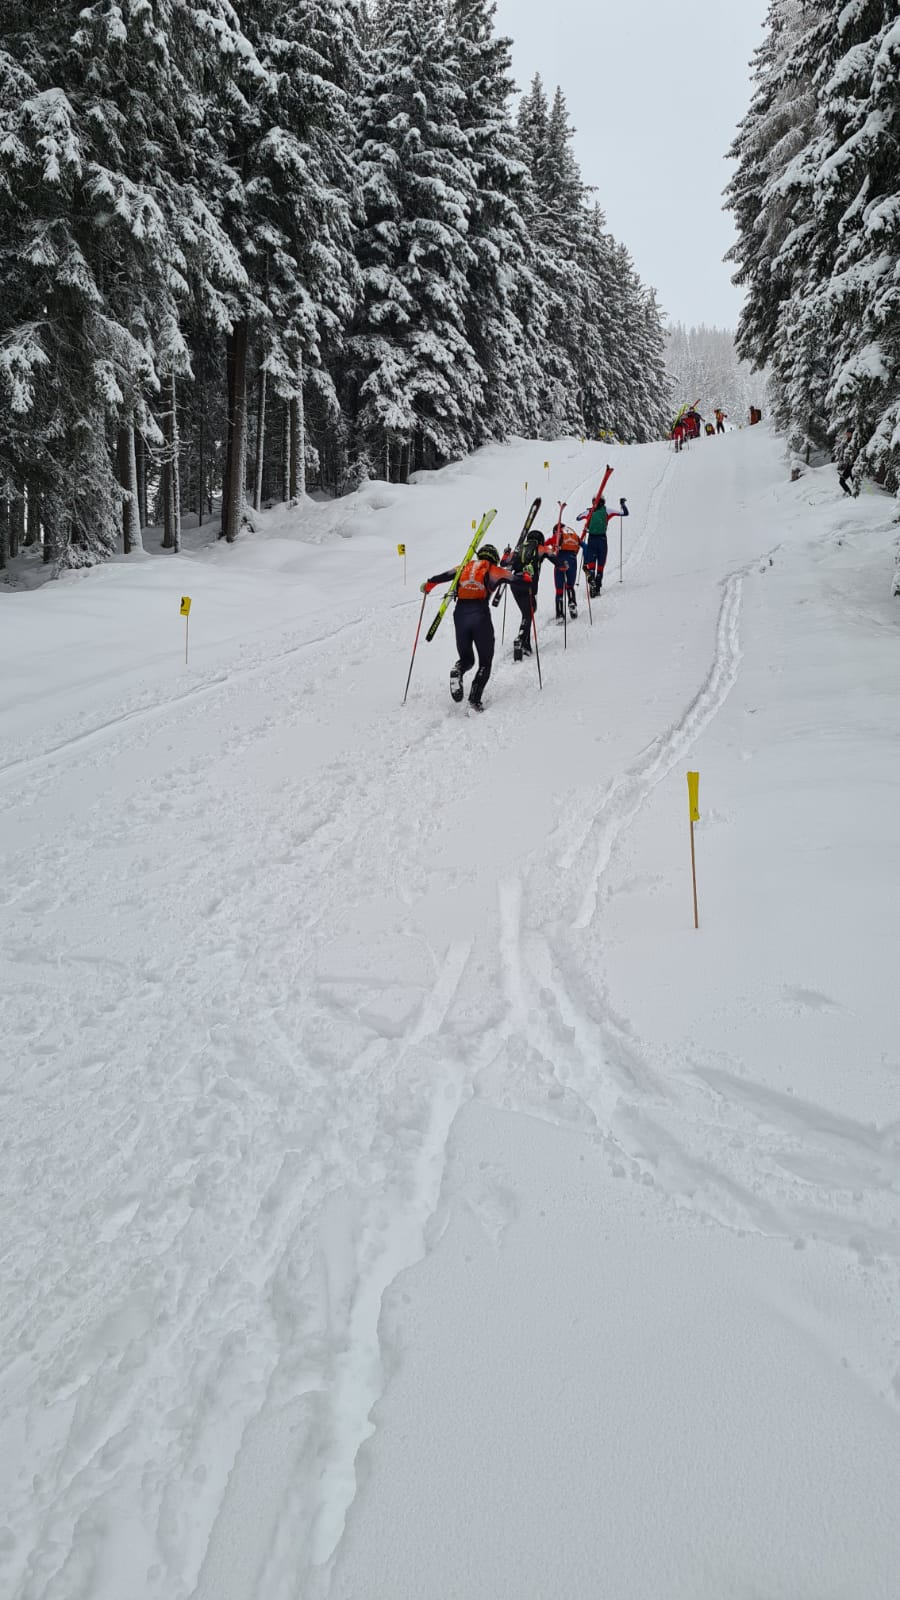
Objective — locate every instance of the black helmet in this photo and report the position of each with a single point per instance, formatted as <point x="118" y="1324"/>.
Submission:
<point x="489" y="552"/>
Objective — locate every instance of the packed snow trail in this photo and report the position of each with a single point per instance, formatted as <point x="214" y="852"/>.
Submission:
<point x="268" y="942"/>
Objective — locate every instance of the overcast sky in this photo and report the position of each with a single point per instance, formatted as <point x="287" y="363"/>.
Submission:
<point x="656" y="89"/>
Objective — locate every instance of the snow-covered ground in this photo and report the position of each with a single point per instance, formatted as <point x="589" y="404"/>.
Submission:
<point x="400" y="1200"/>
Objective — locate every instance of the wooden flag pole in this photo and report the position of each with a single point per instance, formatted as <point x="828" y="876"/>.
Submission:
<point x="185" y="611"/>
<point x="693" y="779"/>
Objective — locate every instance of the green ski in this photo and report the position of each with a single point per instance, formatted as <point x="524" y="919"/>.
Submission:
<point x="480" y="532"/>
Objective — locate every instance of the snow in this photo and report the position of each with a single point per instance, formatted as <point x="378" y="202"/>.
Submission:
<point x="399" y="1197"/>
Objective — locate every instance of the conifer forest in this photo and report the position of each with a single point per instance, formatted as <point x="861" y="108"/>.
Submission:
<point x="816" y="201"/>
<point x="249" y="250"/>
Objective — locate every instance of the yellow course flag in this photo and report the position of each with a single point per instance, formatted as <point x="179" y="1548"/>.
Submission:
<point x="185" y="606"/>
<point x="401" y="549"/>
<point x="693" y="779"/>
<point x="546" y="466"/>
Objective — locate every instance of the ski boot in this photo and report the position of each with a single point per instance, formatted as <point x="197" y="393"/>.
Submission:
<point x="573" y="607"/>
<point x="456" y="683"/>
<point x="517" y="650"/>
<point x="478" y="683"/>
<point x="560" y="612"/>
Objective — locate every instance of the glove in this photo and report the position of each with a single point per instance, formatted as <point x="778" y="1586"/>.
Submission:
<point x="427" y="586"/>
<point x="526" y="577"/>
<point x="625" y="510"/>
<point x="507" y="551"/>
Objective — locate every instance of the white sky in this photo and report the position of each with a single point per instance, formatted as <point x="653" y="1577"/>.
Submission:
<point x="656" y="89"/>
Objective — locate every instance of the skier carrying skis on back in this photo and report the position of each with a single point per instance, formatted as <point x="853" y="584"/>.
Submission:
<point x="477" y="579"/>
<point x="596" y="544"/>
<point x="525" y="565"/>
<point x="563" y="547"/>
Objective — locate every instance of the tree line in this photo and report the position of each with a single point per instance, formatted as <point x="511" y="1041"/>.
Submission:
<point x="816" y="202"/>
<point x="250" y="248"/>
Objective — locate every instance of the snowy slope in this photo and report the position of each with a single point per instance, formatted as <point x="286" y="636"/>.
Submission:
<point x="365" y="1056"/>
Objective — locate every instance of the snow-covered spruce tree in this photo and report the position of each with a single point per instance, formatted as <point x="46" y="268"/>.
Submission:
<point x="801" y="354"/>
<point x="763" y="193"/>
<point x="857" y="199"/>
<point x="600" y="324"/>
<point x="816" y="199"/>
<point x="104" y="197"/>
<point x="414" y="383"/>
<point x="84" y="250"/>
<point x="300" y="196"/>
<point x="640" y="391"/>
<point x="502" y="328"/>
<point x="554" y="210"/>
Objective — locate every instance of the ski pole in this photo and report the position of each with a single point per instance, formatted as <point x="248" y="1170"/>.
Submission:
<point x="415" y="647"/>
<point x="537" y="653"/>
<point x="503" y="628"/>
<point x="587" y="590"/>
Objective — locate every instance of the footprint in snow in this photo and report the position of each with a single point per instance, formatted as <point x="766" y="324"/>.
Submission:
<point x="810" y="999"/>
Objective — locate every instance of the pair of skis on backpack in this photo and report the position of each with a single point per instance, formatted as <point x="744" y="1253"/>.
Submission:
<point x="522" y="642"/>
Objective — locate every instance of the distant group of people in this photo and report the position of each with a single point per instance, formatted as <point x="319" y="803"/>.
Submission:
<point x="688" y="423"/>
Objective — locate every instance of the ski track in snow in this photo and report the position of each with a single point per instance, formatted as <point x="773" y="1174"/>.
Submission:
<point x="261" y="1189"/>
<point x="627" y="794"/>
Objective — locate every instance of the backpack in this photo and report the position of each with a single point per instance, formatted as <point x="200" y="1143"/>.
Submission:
<point x="472" y="583"/>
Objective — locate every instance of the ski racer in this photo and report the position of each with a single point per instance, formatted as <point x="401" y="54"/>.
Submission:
<point x="563" y="547"/>
<point x="525" y="565"/>
<point x="721" y="418"/>
<point x="472" y="618"/>
<point x="596" y="544"/>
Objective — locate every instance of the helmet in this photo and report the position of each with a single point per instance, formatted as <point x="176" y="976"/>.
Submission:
<point x="489" y="552"/>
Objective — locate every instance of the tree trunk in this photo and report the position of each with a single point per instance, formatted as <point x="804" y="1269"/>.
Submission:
<point x="233" y="487"/>
<point x="140" y="453"/>
<point x="55" y="529"/>
<point x="201" y="449"/>
<point x="260" y="439"/>
<point x="128" y="478"/>
<point x="286" y="452"/>
<point x="176" y="468"/>
<point x="17" y="521"/>
<point x="294" y="466"/>
<point x="4" y="531"/>
<point x="298" y="438"/>
<point x="33" y="518"/>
